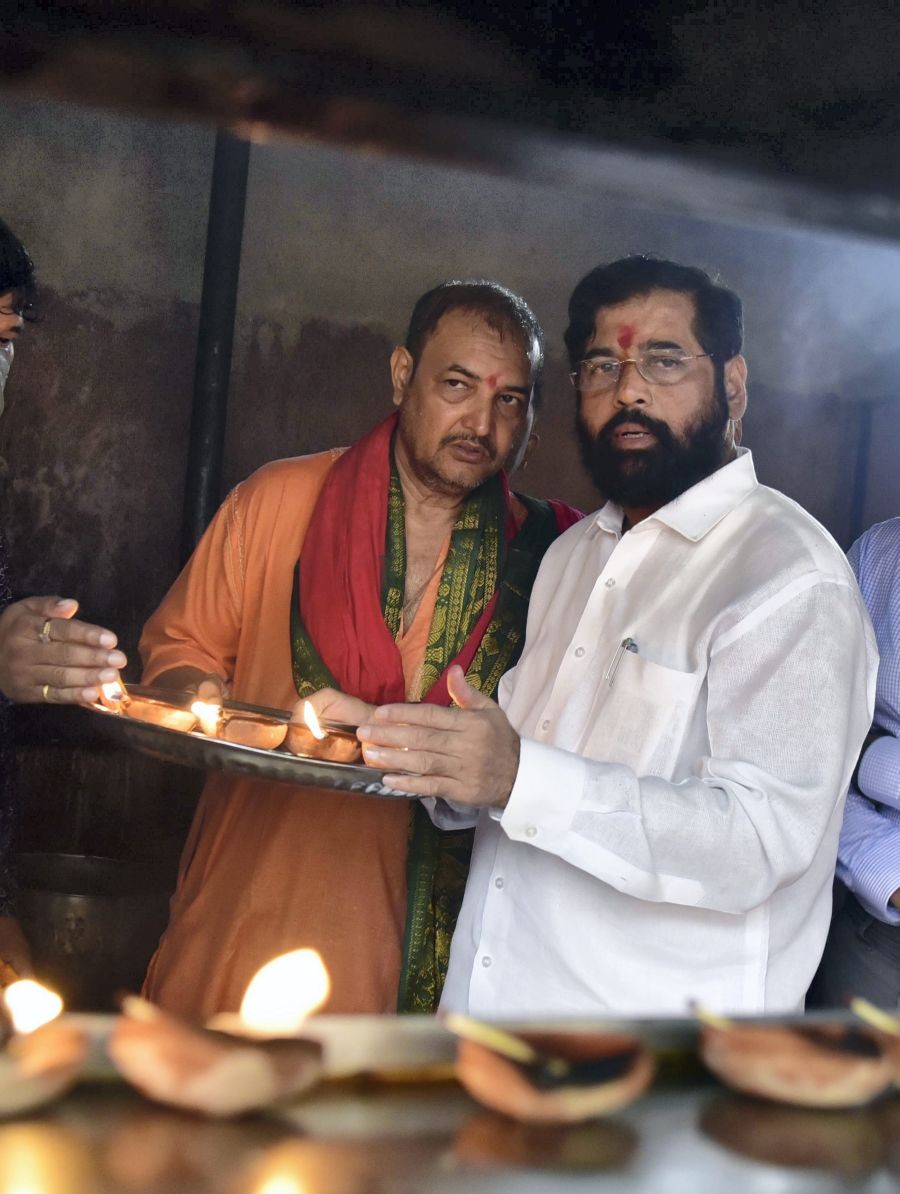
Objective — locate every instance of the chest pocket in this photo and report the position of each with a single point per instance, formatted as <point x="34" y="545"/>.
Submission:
<point x="641" y="720"/>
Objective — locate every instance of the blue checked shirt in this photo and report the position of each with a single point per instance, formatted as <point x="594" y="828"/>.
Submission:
<point x="869" y="853"/>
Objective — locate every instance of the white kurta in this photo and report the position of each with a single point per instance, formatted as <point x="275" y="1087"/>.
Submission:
<point x="673" y="827"/>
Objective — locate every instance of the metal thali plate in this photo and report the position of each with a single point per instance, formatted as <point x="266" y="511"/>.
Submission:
<point x="197" y="750"/>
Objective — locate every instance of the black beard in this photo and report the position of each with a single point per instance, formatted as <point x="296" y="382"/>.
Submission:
<point x="653" y="476"/>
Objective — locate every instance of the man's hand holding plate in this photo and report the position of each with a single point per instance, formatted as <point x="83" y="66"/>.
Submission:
<point x="468" y="754"/>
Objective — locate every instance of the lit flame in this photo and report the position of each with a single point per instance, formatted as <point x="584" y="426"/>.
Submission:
<point x="209" y="715"/>
<point x="312" y="721"/>
<point x="284" y="992"/>
<point x="282" y="1183"/>
<point x="30" y="1005"/>
<point x="113" y="696"/>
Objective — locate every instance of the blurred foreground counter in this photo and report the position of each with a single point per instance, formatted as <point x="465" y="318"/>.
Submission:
<point x="355" y="1137"/>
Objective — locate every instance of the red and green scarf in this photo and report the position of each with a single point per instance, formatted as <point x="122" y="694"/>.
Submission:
<point x="345" y="617"/>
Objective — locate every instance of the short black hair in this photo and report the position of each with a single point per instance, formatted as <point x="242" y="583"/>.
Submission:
<point x="16" y="266"/>
<point x="719" y="320"/>
<point x="504" y="312"/>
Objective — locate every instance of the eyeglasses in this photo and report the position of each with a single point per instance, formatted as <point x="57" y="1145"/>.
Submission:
<point x="23" y="310"/>
<point x="598" y="375"/>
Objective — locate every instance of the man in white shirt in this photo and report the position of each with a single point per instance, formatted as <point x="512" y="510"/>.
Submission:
<point x="661" y="787"/>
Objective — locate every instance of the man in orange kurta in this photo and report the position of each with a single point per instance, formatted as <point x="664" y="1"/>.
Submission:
<point x="267" y="867"/>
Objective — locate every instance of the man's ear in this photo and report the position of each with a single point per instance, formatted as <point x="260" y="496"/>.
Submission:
<point x="530" y="447"/>
<point x="518" y="461"/>
<point x="402" y="366"/>
<point x="736" y="387"/>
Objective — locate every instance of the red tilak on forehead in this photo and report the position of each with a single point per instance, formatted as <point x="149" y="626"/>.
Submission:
<point x="491" y="379"/>
<point x="625" y="338"/>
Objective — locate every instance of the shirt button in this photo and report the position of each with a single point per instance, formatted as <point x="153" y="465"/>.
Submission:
<point x="545" y="725"/>
<point x="611" y="583"/>
<point x="531" y="830"/>
<point x="579" y="651"/>
<point x="486" y="961"/>
<point x="498" y="882"/>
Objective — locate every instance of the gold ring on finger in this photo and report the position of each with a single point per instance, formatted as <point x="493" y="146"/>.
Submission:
<point x="44" y="636"/>
<point x="45" y="692"/>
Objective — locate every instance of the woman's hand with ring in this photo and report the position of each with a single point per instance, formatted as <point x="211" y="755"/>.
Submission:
<point x="46" y="654"/>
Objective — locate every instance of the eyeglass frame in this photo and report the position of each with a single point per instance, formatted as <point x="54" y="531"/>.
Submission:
<point x="637" y="362"/>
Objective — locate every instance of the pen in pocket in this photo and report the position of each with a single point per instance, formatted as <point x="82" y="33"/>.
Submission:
<point x="627" y="644"/>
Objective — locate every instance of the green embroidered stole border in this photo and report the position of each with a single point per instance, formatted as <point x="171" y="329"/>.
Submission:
<point x="477" y="561"/>
<point x="474" y="561"/>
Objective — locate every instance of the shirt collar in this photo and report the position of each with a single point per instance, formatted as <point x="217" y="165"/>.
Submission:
<point x="696" y="511"/>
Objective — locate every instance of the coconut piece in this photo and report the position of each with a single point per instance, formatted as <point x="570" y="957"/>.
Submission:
<point x="198" y="1069"/>
<point x="335" y="748"/>
<point x="820" y="1066"/>
<point x="247" y="729"/>
<point x="160" y="713"/>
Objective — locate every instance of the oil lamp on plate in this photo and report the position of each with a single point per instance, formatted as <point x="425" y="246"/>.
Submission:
<point x="309" y="738"/>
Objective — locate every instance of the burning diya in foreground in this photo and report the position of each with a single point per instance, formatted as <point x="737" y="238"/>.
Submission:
<point x="43" y="1053"/>
<point x="240" y="1062"/>
<point x="816" y="1066"/>
<point x="550" y="1077"/>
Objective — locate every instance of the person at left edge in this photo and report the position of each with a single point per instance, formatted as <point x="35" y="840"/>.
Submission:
<point x="46" y="654"/>
<point x="412" y="554"/>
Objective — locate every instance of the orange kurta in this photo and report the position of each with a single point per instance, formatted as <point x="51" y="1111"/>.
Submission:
<point x="267" y="867"/>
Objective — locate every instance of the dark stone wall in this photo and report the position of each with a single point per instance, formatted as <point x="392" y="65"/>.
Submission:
<point x="319" y="388"/>
<point x="94" y="442"/>
<point x="93" y="439"/>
